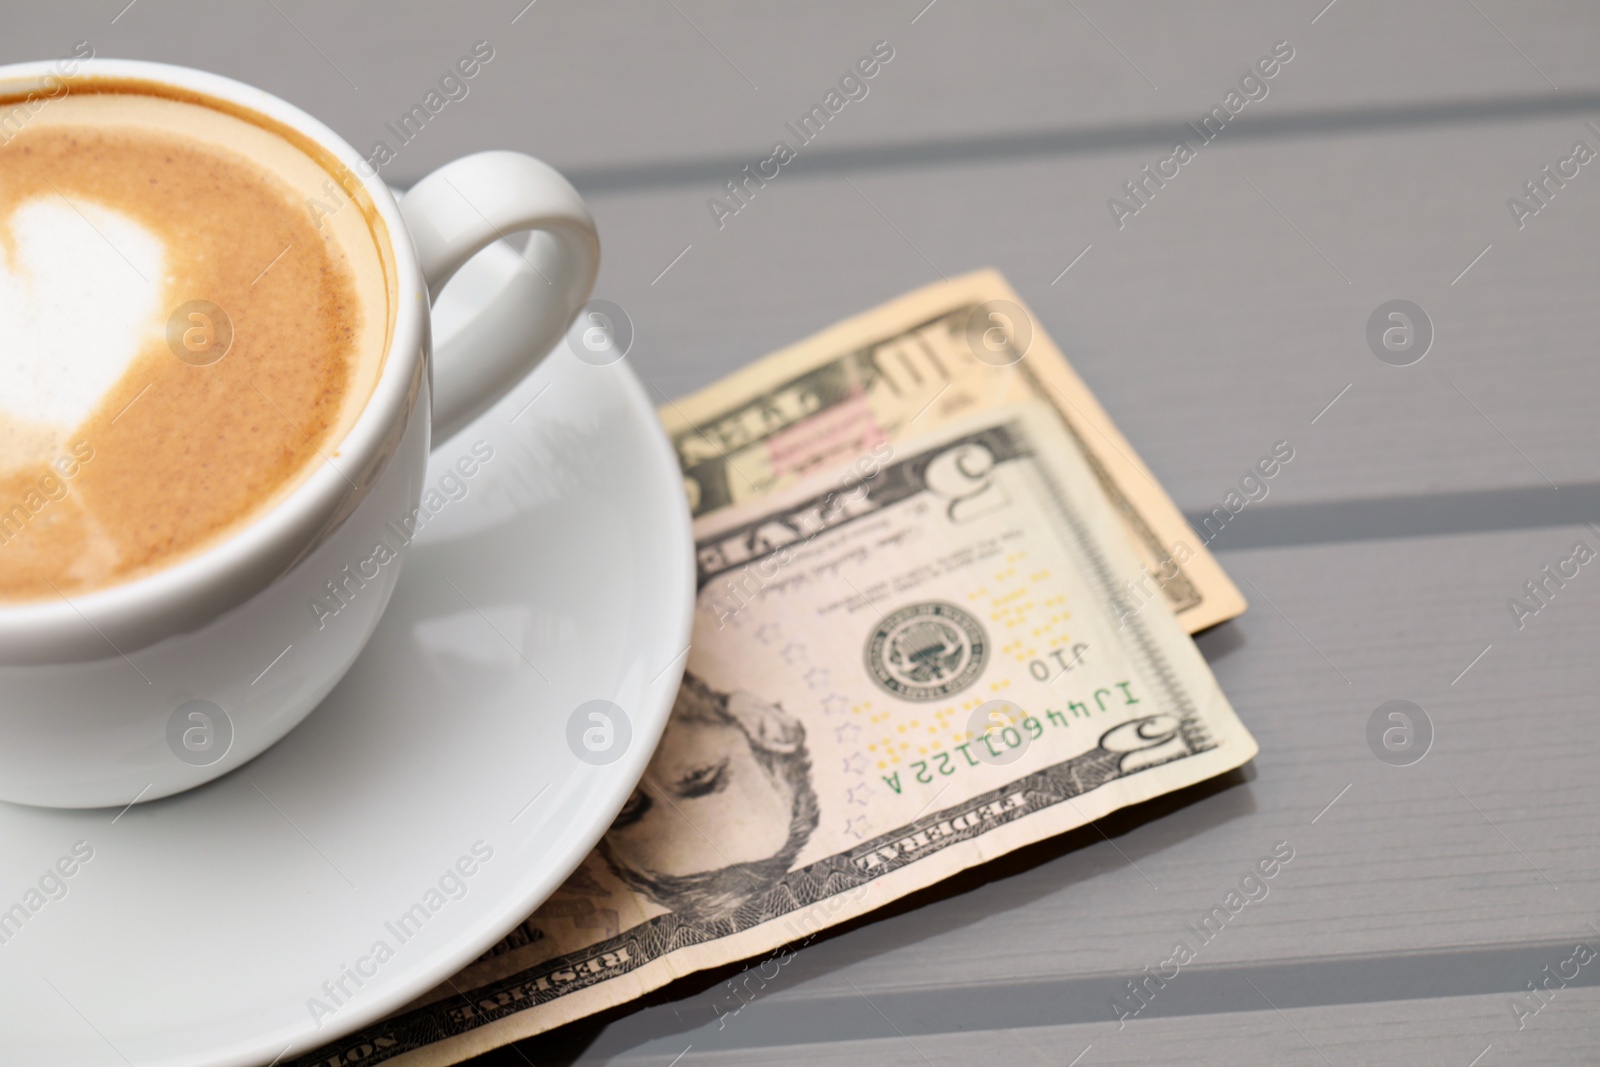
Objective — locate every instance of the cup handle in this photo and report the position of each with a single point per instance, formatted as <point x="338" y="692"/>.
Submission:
<point x="459" y="210"/>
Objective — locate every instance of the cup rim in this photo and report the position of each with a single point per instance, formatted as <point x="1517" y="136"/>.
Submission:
<point x="195" y="589"/>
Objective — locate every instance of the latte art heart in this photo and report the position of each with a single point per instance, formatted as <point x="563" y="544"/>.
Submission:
<point x="183" y="342"/>
<point x="80" y="298"/>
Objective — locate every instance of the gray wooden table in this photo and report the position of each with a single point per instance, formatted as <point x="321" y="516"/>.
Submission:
<point x="1230" y="312"/>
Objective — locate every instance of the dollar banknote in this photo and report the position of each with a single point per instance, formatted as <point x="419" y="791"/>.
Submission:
<point x="900" y="669"/>
<point x="935" y="355"/>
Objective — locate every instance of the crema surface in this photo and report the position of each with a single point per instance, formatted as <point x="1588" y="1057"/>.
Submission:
<point x="193" y="312"/>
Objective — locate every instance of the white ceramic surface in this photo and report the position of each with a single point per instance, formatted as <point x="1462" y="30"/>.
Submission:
<point x="205" y="922"/>
<point x="143" y="689"/>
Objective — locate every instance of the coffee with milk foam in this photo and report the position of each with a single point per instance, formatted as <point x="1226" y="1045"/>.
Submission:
<point x="194" y="306"/>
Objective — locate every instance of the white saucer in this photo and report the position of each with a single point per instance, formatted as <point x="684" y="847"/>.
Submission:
<point x="203" y="924"/>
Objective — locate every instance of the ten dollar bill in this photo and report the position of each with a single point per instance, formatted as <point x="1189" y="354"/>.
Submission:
<point x="909" y="367"/>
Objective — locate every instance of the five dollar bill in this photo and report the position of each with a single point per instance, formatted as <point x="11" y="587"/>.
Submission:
<point x="943" y="612"/>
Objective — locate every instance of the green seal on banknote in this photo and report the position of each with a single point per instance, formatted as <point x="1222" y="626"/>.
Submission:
<point x="927" y="651"/>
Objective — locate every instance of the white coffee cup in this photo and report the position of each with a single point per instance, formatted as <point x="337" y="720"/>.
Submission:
<point x="144" y="689"/>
